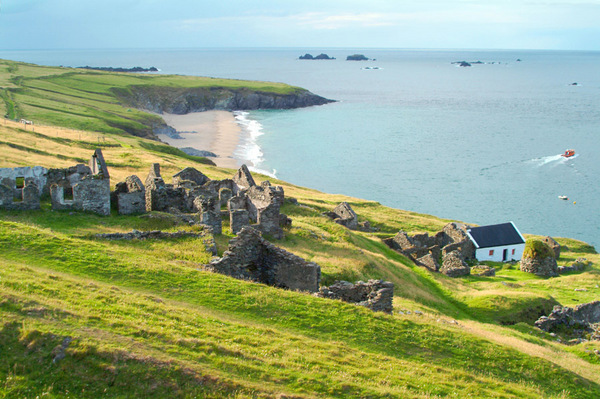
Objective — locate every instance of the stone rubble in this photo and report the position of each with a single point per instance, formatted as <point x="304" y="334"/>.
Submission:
<point x="376" y="295"/>
<point x="582" y="320"/>
<point x="450" y="247"/>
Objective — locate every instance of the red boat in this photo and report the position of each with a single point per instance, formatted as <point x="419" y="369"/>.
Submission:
<point x="568" y="153"/>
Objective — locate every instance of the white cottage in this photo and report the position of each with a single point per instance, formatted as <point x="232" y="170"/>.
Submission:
<point x="498" y="243"/>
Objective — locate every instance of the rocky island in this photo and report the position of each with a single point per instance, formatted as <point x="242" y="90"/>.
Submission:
<point x="321" y="56"/>
<point x="357" y="57"/>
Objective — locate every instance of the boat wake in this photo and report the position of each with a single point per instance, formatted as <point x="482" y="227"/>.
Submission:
<point x="539" y="162"/>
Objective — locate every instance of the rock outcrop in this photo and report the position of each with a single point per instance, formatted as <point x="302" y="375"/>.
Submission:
<point x="376" y="295"/>
<point x="581" y="320"/>
<point x="196" y="99"/>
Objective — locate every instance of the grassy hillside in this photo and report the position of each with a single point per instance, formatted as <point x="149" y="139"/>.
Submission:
<point x="84" y="317"/>
<point x="89" y="100"/>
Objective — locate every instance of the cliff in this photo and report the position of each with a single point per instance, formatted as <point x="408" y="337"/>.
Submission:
<point x="179" y="100"/>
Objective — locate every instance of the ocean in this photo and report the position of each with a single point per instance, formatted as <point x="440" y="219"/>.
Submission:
<point x="414" y="131"/>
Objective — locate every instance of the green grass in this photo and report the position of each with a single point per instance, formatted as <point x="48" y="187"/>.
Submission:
<point x="142" y="319"/>
<point x="96" y="101"/>
<point x="146" y="321"/>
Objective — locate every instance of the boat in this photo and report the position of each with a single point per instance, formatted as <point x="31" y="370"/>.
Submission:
<point x="563" y="197"/>
<point x="568" y="153"/>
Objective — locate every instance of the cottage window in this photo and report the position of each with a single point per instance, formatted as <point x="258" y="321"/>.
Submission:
<point x="513" y="251"/>
<point x="491" y="252"/>
<point x="20" y="182"/>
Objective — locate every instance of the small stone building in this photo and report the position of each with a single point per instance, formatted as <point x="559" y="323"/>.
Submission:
<point x="90" y="191"/>
<point x="250" y="257"/>
<point x="538" y="258"/>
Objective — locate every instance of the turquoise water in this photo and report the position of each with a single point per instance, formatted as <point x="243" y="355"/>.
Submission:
<point x="477" y="144"/>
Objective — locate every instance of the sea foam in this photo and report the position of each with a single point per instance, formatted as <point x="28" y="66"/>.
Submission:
<point x="249" y="150"/>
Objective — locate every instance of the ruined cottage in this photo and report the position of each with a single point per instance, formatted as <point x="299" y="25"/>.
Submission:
<point x="80" y="187"/>
<point x="193" y="192"/>
<point x="89" y="191"/>
<point x="250" y="257"/>
<point x="443" y="252"/>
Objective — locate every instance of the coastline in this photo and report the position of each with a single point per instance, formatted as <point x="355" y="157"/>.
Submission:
<point x="214" y="131"/>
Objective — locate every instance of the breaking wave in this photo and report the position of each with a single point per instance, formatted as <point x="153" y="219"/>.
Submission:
<point x="249" y="151"/>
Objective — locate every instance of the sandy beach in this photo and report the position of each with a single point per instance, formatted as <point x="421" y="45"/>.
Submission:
<point x="214" y="131"/>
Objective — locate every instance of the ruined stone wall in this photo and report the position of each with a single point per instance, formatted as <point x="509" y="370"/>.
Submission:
<point x="376" y="295"/>
<point x="250" y="257"/>
<point x="545" y="267"/>
<point x="37" y="174"/>
<point x="452" y="245"/>
<point x="92" y="194"/>
<point x="28" y="201"/>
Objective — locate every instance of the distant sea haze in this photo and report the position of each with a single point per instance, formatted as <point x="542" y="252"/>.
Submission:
<point x="480" y="144"/>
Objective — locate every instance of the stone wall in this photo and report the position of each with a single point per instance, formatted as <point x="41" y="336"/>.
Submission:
<point x="376" y="295"/>
<point x="451" y="245"/>
<point x="545" y="267"/>
<point x="250" y="257"/>
<point x="29" y="197"/>
<point x="37" y="174"/>
<point x="92" y="194"/>
<point x="130" y="196"/>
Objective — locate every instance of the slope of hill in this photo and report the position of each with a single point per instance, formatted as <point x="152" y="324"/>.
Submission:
<point x="84" y="317"/>
<point x="114" y="102"/>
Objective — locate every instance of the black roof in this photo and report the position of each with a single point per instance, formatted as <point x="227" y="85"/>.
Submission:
<point x="496" y="235"/>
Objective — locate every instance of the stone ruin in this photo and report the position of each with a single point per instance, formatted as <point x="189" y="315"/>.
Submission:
<point x="451" y="246"/>
<point x="376" y="295"/>
<point x="193" y="192"/>
<point x="88" y="189"/>
<point x="554" y="246"/>
<point x="130" y="196"/>
<point x="80" y="187"/>
<point x="250" y="257"/>
<point x="578" y="265"/>
<point x="581" y="321"/>
<point x="540" y="260"/>
<point x="344" y="214"/>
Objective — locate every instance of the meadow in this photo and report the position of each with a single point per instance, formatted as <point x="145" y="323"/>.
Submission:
<point x="83" y="317"/>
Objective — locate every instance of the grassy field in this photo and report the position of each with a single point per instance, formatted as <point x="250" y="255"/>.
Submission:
<point x="92" y="100"/>
<point x="87" y="318"/>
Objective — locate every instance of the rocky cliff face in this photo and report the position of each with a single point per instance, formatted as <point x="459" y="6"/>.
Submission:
<point x="185" y="100"/>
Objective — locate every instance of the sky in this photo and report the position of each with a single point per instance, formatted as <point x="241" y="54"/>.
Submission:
<point x="427" y="24"/>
